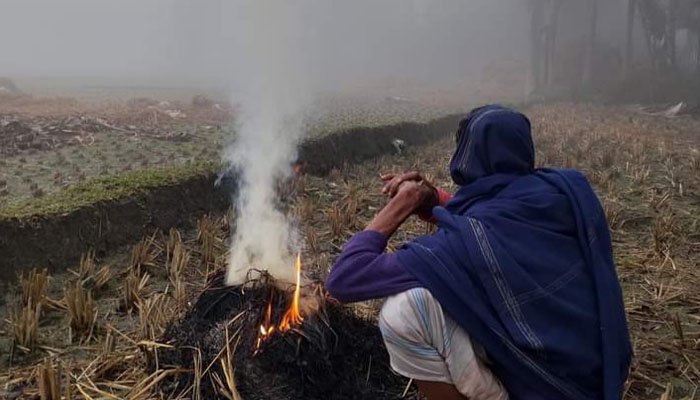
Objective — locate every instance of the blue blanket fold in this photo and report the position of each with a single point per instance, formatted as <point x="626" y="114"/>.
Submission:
<point x="523" y="261"/>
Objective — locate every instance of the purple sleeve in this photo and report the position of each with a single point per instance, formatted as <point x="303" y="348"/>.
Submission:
<point x="363" y="271"/>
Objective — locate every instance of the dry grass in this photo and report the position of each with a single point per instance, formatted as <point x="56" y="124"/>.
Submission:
<point x="24" y="318"/>
<point x="178" y="259"/>
<point x="108" y="343"/>
<point x="613" y="211"/>
<point x="663" y="225"/>
<point x="176" y="264"/>
<point x="227" y="384"/>
<point x="305" y="208"/>
<point x="34" y="106"/>
<point x="311" y="241"/>
<point x="49" y="377"/>
<point x="179" y="293"/>
<point x="644" y="169"/>
<point x="133" y="289"/>
<point x="154" y="313"/>
<point x="101" y="277"/>
<point x="81" y="308"/>
<point x="34" y="286"/>
<point x="89" y="275"/>
<point x="25" y="326"/>
<point x="144" y="255"/>
<point x="87" y="265"/>
<point x="174" y="240"/>
<point x="349" y="213"/>
<point x="336" y="220"/>
<point x="210" y="234"/>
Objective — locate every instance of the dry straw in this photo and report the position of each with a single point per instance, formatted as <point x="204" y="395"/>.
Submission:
<point x="82" y="309"/>
<point x="34" y="286"/>
<point x="656" y="233"/>
<point x="25" y="326"/>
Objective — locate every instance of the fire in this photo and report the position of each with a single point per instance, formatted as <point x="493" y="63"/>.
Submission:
<point x="267" y="328"/>
<point x="291" y="317"/>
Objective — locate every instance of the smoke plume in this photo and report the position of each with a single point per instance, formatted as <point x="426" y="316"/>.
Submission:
<point x="287" y="55"/>
<point x="272" y="97"/>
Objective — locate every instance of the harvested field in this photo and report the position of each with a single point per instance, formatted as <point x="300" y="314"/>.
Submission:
<point x="93" y="332"/>
<point x="51" y="143"/>
<point x="106" y="212"/>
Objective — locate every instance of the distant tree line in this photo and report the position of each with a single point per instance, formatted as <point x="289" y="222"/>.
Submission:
<point x="658" y="57"/>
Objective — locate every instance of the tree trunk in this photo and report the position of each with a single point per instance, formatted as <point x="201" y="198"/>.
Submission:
<point x="588" y="69"/>
<point x="672" y="26"/>
<point x="547" y="54"/>
<point x="536" y="43"/>
<point x="646" y="14"/>
<point x="629" y="46"/>
<point x="697" y="54"/>
<point x="552" y="41"/>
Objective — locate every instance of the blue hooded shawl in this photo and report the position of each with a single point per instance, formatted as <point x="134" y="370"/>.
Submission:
<point x="522" y="260"/>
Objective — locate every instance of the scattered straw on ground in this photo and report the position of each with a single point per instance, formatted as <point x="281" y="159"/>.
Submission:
<point x="645" y="169"/>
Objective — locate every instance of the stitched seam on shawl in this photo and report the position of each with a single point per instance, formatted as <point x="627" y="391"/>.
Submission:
<point x="429" y="251"/>
<point x="527" y="360"/>
<point x="515" y="308"/>
<point x="499" y="279"/>
<point x="557" y="284"/>
<point x="591" y="236"/>
<point x="536" y="368"/>
<point x="468" y="150"/>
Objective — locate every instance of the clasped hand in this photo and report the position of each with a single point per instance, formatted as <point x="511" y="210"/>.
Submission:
<point x="412" y="189"/>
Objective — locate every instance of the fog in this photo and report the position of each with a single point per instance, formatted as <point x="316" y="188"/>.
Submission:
<point x="439" y="41"/>
<point x="274" y="57"/>
<point x="284" y="53"/>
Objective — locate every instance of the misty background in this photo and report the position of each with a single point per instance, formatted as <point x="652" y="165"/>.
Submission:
<point x="179" y="42"/>
<point x="486" y="50"/>
<point x="190" y="39"/>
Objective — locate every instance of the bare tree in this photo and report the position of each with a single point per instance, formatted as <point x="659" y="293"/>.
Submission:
<point x="536" y="44"/>
<point x="629" y="45"/>
<point x="587" y="77"/>
<point x="551" y="41"/>
<point x="672" y="28"/>
<point x="655" y="21"/>
<point x="543" y="37"/>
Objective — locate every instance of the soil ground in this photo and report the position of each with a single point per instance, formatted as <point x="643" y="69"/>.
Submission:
<point x="646" y="170"/>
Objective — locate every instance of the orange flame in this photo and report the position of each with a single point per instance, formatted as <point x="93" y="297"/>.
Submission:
<point x="268" y="316"/>
<point x="293" y="316"/>
<point x="290" y="318"/>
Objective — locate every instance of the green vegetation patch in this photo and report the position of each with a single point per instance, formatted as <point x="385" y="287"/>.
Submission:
<point x="99" y="189"/>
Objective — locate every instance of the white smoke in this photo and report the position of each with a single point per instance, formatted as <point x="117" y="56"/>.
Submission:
<point x="284" y="51"/>
<point x="272" y="93"/>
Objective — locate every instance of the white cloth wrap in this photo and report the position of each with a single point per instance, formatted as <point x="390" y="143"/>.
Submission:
<point x="425" y="344"/>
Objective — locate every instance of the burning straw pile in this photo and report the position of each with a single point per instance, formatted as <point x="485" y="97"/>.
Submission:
<point x="258" y="341"/>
